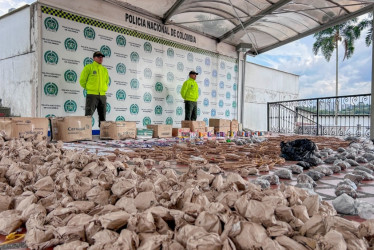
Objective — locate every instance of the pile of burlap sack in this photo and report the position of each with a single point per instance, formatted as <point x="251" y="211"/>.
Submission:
<point x="77" y="200"/>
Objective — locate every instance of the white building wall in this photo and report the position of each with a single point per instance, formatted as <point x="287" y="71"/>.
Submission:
<point x="18" y="64"/>
<point x="263" y="85"/>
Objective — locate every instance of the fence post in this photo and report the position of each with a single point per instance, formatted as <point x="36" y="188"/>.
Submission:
<point x="302" y="125"/>
<point x="317" y="116"/>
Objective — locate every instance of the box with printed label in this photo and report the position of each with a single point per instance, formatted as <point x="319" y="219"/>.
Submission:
<point x="195" y="126"/>
<point x="71" y="128"/>
<point x="144" y="133"/>
<point x="23" y="126"/>
<point x="181" y="132"/>
<point x="117" y="130"/>
<point x="161" y="131"/>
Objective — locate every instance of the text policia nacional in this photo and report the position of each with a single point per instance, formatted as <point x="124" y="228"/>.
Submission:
<point x="139" y="21"/>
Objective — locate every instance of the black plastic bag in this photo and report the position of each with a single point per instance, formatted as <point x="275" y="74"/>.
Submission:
<point x="299" y="150"/>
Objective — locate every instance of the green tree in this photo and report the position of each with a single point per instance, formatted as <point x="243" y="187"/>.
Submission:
<point x="367" y="23"/>
<point x="328" y="41"/>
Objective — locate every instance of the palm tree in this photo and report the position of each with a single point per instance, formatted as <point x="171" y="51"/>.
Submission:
<point x="328" y="41"/>
<point x="367" y="23"/>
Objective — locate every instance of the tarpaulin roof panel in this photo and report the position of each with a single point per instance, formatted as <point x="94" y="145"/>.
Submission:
<point x="264" y="23"/>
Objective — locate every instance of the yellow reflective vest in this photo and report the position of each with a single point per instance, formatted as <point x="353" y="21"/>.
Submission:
<point x="95" y="79"/>
<point x="190" y="90"/>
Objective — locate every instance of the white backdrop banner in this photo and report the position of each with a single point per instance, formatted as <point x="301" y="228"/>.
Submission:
<point x="146" y="72"/>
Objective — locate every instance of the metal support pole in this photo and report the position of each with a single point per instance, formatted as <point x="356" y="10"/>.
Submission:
<point x="268" y="114"/>
<point x="372" y="88"/>
<point x="317" y="116"/>
<point x="243" y="88"/>
<point x="279" y="118"/>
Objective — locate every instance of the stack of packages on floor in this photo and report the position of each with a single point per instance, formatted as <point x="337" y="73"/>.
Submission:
<point x="76" y="200"/>
<point x="78" y="128"/>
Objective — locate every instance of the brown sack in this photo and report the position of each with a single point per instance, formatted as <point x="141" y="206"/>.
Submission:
<point x="10" y="220"/>
<point x="123" y="185"/>
<point x="312" y="204"/>
<point x="251" y="236"/>
<point x="5" y="202"/>
<point x="281" y="228"/>
<point x="33" y="209"/>
<point x="258" y="212"/>
<point x="208" y="241"/>
<point x="44" y="184"/>
<point x="145" y="200"/>
<point x="98" y="195"/>
<point x="309" y="243"/>
<point x="289" y="243"/>
<point x="333" y="240"/>
<point x="128" y="240"/>
<point x="105" y="236"/>
<point x="81" y="206"/>
<point x="76" y="245"/>
<point x="142" y="223"/>
<point x="188" y="231"/>
<point x="114" y="220"/>
<point x="209" y="222"/>
<point x="39" y="236"/>
<point x="301" y="212"/>
<point x="284" y="213"/>
<point x="80" y="219"/>
<point x="70" y="233"/>
<point x="127" y="204"/>
<point x="313" y="226"/>
<point x="26" y="202"/>
<point x="366" y="229"/>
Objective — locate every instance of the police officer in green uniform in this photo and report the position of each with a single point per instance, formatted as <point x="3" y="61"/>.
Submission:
<point x="190" y="94"/>
<point x="95" y="80"/>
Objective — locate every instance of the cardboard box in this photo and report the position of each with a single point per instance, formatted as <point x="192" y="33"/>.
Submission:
<point x="234" y="126"/>
<point x="22" y="126"/>
<point x="161" y="131"/>
<point x="220" y="125"/>
<point x="6" y="126"/>
<point x="144" y="133"/>
<point x="194" y="126"/>
<point x="71" y="128"/>
<point x="181" y="132"/>
<point x="117" y="130"/>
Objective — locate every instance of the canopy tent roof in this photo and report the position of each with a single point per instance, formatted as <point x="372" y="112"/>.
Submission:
<point x="266" y="24"/>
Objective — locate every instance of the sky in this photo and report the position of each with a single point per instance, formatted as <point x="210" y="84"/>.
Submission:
<point x="317" y="76"/>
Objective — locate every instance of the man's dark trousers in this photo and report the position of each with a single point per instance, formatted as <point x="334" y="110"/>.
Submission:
<point x="190" y="109"/>
<point x="94" y="102"/>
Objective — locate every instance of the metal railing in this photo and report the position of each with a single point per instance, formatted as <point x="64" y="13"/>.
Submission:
<point x="336" y="116"/>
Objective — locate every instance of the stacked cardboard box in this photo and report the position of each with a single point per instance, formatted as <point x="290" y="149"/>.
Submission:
<point x="234" y="126"/>
<point x="220" y="125"/>
<point x="17" y="127"/>
<point x="71" y="128"/>
<point x="161" y="131"/>
<point x="194" y="126"/>
<point x="117" y="130"/>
